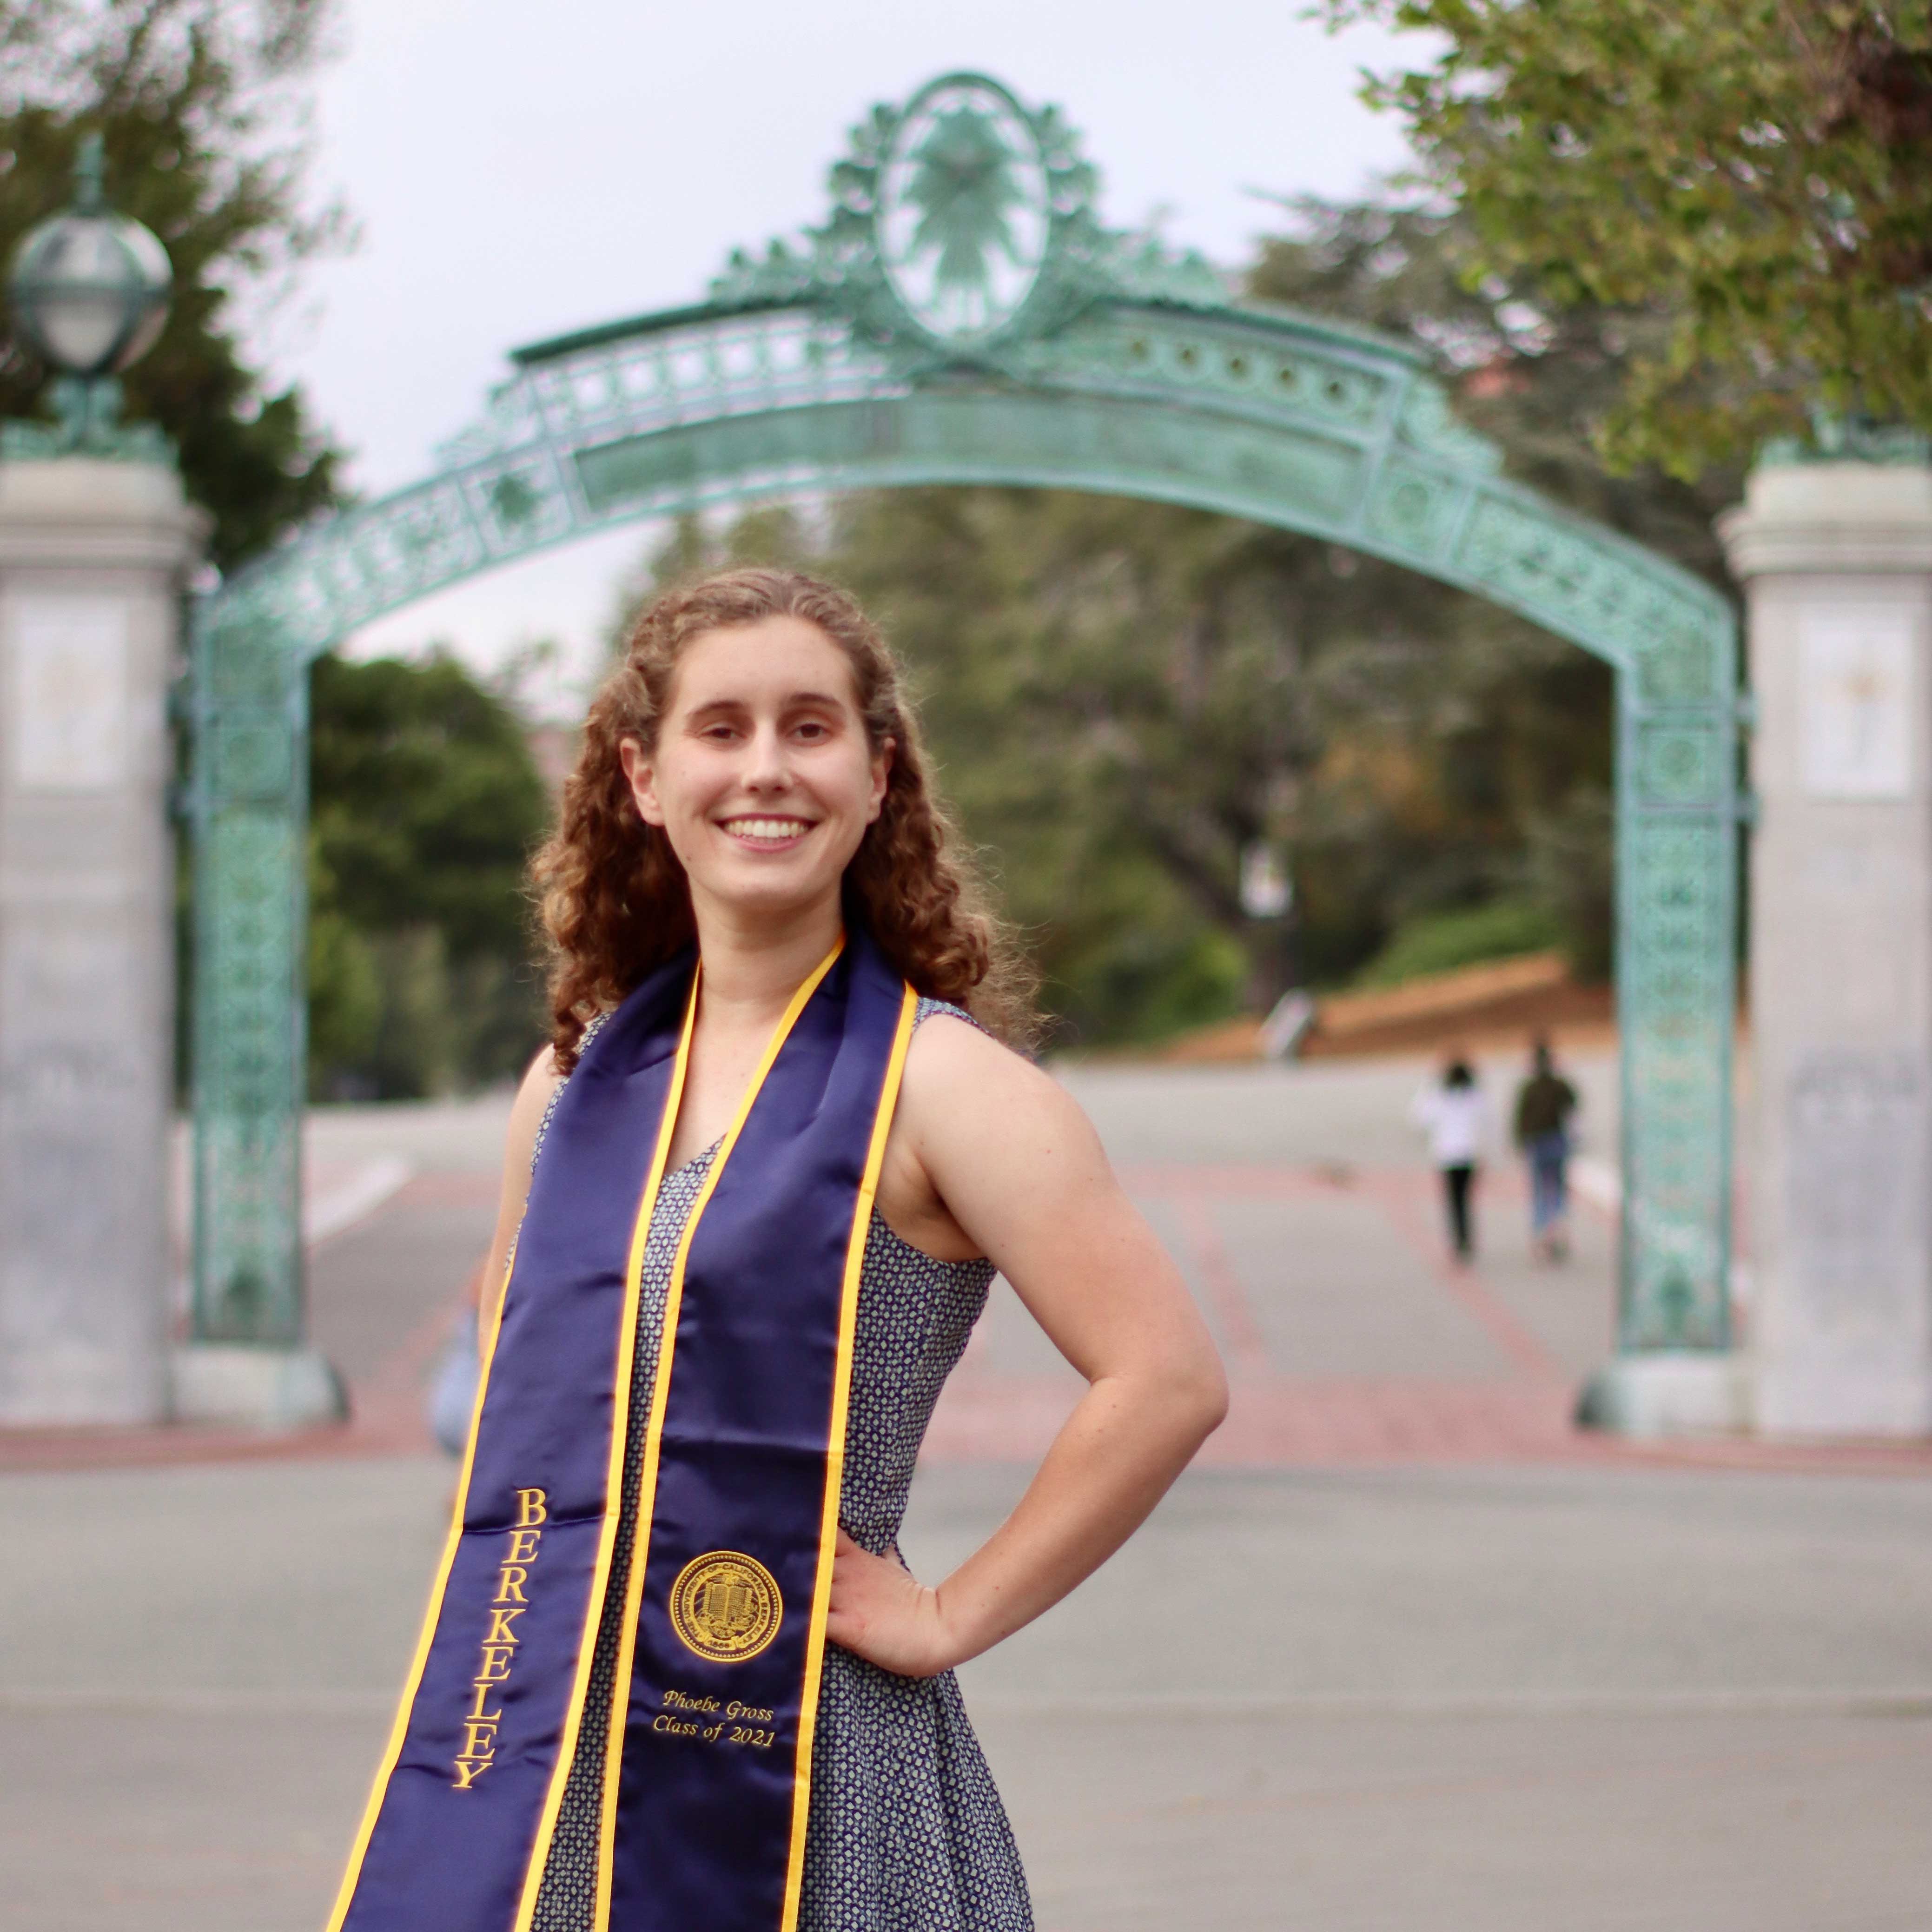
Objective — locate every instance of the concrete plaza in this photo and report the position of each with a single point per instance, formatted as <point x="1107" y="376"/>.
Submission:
<point x="1403" y="1651"/>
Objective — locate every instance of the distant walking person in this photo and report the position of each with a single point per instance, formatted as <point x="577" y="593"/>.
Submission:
<point x="1544" y="1104"/>
<point x="1454" y="1115"/>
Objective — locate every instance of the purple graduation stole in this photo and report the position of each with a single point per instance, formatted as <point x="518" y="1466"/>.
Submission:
<point x="707" y="1759"/>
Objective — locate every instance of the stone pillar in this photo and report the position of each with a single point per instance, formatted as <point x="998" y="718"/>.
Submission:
<point x="1837" y="557"/>
<point x="92" y="555"/>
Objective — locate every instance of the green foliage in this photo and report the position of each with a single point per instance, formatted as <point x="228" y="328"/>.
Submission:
<point x="345" y="984"/>
<point x="1572" y="870"/>
<point x="1143" y="984"/>
<point x="1749" y="185"/>
<point x="1509" y="699"/>
<point x="199" y="104"/>
<point x="1439" y="942"/>
<point x="425" y="806"/>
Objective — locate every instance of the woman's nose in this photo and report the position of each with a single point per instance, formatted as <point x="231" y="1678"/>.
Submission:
<point x="767" y="768"/>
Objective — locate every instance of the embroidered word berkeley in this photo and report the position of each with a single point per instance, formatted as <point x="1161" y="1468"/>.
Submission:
<point x="500" y="1640"/>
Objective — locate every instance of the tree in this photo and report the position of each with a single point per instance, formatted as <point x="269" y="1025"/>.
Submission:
<point x="1535" y="714"/>
<point x="200" y="105"/>
<point x="425" y="806"/>
<point x="1750" y="184"/>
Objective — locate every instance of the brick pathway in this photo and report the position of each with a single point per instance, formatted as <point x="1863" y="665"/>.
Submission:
<point x="1351" y="1337"/>
<point x="1516" y="1406"/>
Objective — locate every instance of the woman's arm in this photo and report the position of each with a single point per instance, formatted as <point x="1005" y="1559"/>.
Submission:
<point x="533" y="1097"/>
<point x="1021" y="1170"/>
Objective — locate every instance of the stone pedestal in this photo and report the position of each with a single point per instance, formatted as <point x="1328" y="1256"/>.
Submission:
<point x="1669" y="1392"/>
<point x="239" y="1385"/>
<point x="92" y="554"/>
<point x="1837" y="561"/>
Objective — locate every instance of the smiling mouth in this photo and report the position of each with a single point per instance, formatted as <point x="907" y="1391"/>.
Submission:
<point x="766" y="831"/>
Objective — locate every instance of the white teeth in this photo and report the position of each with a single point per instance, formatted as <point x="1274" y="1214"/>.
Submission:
<point x="766" y="828"/>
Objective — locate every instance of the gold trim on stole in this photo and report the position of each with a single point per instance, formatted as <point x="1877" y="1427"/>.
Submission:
<point x="647" y="1480"/>
<point x="490" y="1317"/>
<point x="490" y="1322"/>
<point x="413" y="1680"/>
<point x="620" y="1433"/>
<point x="835" y="1458"/>
<point x="488" y="1330"/>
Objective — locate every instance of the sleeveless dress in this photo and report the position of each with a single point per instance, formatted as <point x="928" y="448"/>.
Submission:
<point x="906" y="1832"/>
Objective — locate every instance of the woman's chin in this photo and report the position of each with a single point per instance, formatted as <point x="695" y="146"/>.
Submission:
<point x="764" y="891"/>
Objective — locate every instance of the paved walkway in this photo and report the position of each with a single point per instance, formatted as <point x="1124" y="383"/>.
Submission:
<point x="1404" y="1653"/>
<point x="1294" y="1199"/>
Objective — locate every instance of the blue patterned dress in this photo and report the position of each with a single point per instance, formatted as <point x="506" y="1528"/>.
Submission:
<point x="907" y="1833"/>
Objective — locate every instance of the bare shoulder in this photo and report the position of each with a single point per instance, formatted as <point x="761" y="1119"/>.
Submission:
<point x="952" y="1063"/>
<point x="967" y="1096"/>
<point x="1017" y="1168"/>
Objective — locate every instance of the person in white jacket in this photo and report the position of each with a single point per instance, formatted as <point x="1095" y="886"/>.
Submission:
<point x="1454" y="1112"/>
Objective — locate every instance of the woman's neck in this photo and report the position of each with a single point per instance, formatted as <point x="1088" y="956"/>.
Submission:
<point x="753" y="966"/>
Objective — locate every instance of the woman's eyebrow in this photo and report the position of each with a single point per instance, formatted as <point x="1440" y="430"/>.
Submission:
<point x="790" y="701"/>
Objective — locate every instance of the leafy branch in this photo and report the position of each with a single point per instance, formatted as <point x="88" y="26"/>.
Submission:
<point x="1755" y="177"/>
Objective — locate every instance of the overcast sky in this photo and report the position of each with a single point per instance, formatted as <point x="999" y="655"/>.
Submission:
<point x="519" y="170"/>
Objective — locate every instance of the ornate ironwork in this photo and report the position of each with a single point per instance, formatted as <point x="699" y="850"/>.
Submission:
<point x="962" y="317"/>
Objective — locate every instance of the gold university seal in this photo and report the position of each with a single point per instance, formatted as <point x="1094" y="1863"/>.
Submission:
<point x="725" y="1606"/>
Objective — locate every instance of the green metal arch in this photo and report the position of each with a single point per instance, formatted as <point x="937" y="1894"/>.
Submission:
<point x="1254" y="413"/>
<point x="1122" y="370"/>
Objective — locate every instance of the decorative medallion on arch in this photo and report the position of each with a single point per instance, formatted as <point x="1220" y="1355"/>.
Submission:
<point x="962" y="315"/>
<point x="963" y="209"/>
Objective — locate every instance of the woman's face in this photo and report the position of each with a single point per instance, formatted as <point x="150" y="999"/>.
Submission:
<point x="761" y="778"/>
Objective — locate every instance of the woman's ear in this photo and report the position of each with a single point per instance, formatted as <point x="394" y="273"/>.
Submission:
<point x="882" y="768"/>
<point x="640" y="775"/>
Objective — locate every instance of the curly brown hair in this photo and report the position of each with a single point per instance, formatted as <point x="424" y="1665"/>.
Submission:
<point x="614" y="900"/>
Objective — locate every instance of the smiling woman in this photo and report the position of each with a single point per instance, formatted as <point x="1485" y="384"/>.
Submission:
<point x="618" y="897"/>
<point x="674" y="1672"/>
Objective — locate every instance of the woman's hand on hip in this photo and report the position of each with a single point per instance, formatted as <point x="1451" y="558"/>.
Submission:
<point x="881" y="1611"/>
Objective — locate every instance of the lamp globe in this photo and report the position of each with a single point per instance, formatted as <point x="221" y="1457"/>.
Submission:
<point x="89" y="288"/>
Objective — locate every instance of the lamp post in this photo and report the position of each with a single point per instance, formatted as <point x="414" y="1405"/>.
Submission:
<point x="1267" y="897"/>
<point x="97" y="541"/>
<point x="90" y="292"/>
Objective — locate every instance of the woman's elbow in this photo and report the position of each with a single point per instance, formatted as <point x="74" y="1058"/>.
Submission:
<point x="1212" y="1397"/>
<point x="1196" y="1394"/>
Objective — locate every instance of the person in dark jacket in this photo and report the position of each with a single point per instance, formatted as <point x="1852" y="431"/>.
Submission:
<point x="1544" y="1105"/>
